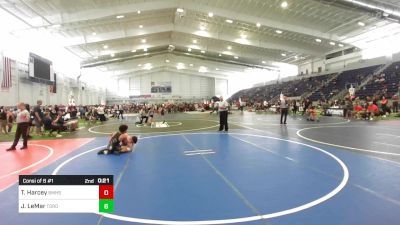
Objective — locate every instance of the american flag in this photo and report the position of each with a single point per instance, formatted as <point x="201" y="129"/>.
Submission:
<point x="6" y="83"/>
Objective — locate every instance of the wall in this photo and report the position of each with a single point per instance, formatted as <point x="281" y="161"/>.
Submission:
<point x="221" y="87"/>
<point x="312" y="66"/>
<point x="346" y="62"/>
<point x="23" y="90"/>
<point x="186" y="86"/>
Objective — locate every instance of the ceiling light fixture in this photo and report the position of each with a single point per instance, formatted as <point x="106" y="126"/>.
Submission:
<point x="220" y="55"/>
<point x="236" y="57"/>
<point x="147" y="66"/>
<point x="112" y="54"/>
<point x="229" y="47"/>
<point x="180" y="66"/>
<point x="229" y="21"/>
<point x="283" y="54"/>
<point x="167" y="60"/>
<point x="105" y="46"/>
<point x="134" y="50"/>
<point x="94" y="33"/>
<point x="194" y="41"/>
<point x="143" y="41"/>
<point x="202" y="51"/>
<point x="140" y="26"/>
<point x="95" y="57"/>
<point x="279" y="31"/>
<point x="361" y="24"/>
<point x="203" y="69"/>
<point x="210" y="14"/>
<point x="138" y="12"/>
<point x="139" y="65"/>
<point x="120" y="16"/>
<point x="263" y="62"/>
<point x="179" y="10"/>
<point x="258" y="24"/>
<point x="216" y="69"/>
<point x="332" y="43"/>
<point x="341" y="45"/>
<point x="189" y="49"/>
<point x="318" y="40"/>
<point x="145" y="49"/>
<point x="284" y="4"/>
<point x="190" y="64"/>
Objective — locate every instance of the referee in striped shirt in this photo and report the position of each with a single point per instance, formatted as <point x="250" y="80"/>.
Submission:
<point x="223" y="114"/>
<point x="23" y="119"/>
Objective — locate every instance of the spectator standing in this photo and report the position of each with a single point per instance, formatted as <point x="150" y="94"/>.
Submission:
<point x="10" y="120"/>
<point x="100" y="113"/>
<point x="38" y="116"/>
<point x="3" y="120"/>
<point x="307" y="104"/>
<point x="395" y="104"/>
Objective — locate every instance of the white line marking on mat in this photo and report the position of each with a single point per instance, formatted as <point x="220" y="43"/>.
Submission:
<point x="392" y="145"/>
<point x="289" y="158"/>
<point x="341" y="146"/>
<point x="200" y="153"/>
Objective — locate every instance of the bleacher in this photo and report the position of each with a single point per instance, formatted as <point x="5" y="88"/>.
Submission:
<point x="385" y="83"/>
<point x="341" y="82"/>
<point x="324" y="87"/>
<point x="293" y="88"/>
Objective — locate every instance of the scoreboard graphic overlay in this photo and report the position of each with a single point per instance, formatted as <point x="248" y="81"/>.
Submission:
<point x="66" y="194"/>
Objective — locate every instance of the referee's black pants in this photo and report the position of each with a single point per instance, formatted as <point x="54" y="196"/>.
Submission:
<point x="284" y="112"/>
<point x="121" y="114"/>
<point x="223" y="120"/>
<point x="22" y="130"/>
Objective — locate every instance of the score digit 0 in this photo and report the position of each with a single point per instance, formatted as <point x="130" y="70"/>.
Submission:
<point x="106" y="192"/>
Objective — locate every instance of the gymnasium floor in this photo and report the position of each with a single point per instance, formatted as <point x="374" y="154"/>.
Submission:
<point x="306" y="173"/>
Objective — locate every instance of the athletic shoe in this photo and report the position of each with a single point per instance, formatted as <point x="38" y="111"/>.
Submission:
<point x="11" y="149"/>
<point x="23" y="147"/>
<point x="103" y="152"/>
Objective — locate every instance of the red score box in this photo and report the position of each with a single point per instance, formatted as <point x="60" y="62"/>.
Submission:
<point x="106" y="192"/>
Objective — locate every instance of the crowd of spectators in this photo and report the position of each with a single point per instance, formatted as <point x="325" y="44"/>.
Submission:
<point x="386" y="83"/>
<point x="47" y="119"/>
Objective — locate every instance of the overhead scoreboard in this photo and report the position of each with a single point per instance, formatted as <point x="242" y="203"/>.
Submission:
<point x="66" y="194"/>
